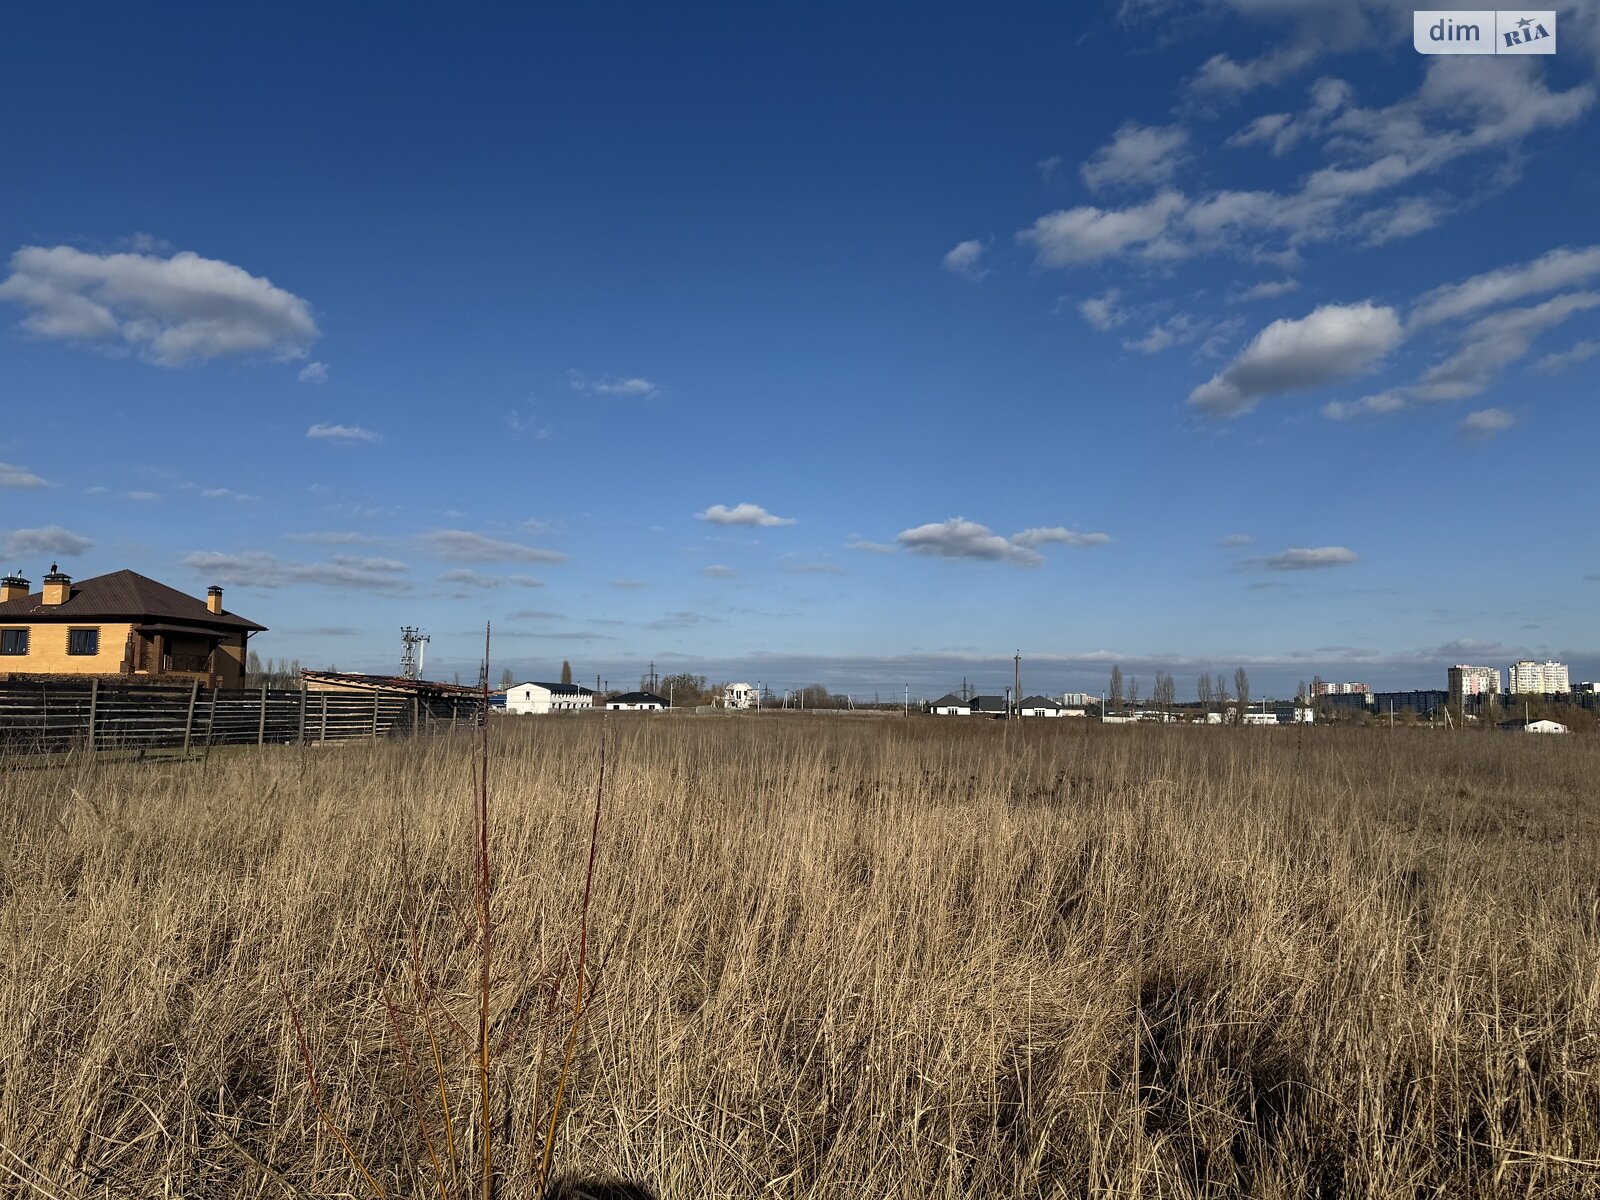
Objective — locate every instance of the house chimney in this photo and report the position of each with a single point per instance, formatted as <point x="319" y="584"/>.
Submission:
<point x="13" y="587"/>
<point x="57" y="586"/>
<point x="214" y="598"/>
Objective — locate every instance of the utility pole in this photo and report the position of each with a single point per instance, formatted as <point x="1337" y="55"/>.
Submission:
<point x="908" y="699"/>
<point x="758" y="695"/>
<point x="1017" y="663"/>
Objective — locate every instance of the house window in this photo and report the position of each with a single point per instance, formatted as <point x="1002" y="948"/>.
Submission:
<point x="83" y="641"/>
<point x="13" y="641"/>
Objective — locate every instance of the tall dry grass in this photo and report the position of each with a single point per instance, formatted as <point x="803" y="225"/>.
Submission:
<point x="851" y="958"/>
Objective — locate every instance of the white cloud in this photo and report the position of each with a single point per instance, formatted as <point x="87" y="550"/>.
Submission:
<point x="961" y="538"/>
<point x="1388" y="401"/>
<point x="1549" y="272"/>
<point x="52" y="540"/>
<point x="1057" y="535"/>
<point x="857" y="542"/>
<point x="222" y="493"/>
<point x="315" y="372"/>
<point x="1174" y="331"/>
<point x="964" y="259"/>
<point x="470" y="578"/>
<point x="1332" y="343"/>
<point x="169" y="311"/>
<point x="256" y="568"/>
<point x="342" y="433"/>
<point x="1050" y="168"/>
<point x="13" y="476"/>
<point x="1458" y="111"/>
<point x="612" y="385"/>
<point x="1266" y="290"/>
<point x="1301" y="558"/>
<point x="1103" y="311"/>
<point x="1486" y="422"/>
<point x="718" y="571"/>
<point x="1137" y="156"/>
<point x="336" y="537"/>
<point x="1237" y="539"/>
<point x="1086" y="234"/>
<point x="742" y="514"/>
<point x="1495" y="342"/>
<point x="1550" y="364"/>
<point x="462" y="546"/>
<point x="1222" y="75"/>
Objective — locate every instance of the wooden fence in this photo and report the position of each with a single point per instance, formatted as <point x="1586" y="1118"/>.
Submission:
<point x="53" y="716"/>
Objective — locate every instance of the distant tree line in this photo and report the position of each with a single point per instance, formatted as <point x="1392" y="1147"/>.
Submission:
<point x="272" y="673"/>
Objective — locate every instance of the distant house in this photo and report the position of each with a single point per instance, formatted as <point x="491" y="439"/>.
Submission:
<point x="989" y="706"/>
<point x="120" y="624"/>
<point x="1042" y="706"/>
<point x="951" y="705"/>
<point x="1532" y="727"/>
<point x="637" y="702"/>
<point x="739" y="695"/>
<point x="540" y="698"/>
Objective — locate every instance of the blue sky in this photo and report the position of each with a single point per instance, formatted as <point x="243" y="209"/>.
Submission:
<point x="865" y="345"/>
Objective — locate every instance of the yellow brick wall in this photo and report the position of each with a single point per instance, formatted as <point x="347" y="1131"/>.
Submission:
<point x="230" y="660"/>
<point x="47" y="650"/>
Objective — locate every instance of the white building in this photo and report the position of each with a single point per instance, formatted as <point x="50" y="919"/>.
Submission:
<point x="537" y="698"/>
<point x="1539" y="679"/>
<point x="1079" y="700"/>
<point x="1473" y="681"/>
<point x="1041" y="706"/>
<point x="1321" y="687"/>
<point x="739" y="695"/>
<point x="951" y="705"/>
<point x="1533" y="727"/>
<point x="637" y="702"/>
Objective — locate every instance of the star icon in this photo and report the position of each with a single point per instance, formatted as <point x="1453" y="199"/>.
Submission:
<point x="1524" y="23"/>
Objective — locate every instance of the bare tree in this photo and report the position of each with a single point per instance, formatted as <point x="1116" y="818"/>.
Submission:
<point x="566" y="671"/>
<point x="1133" y="690"/>
<point x="1241" y="685"/>
<point x="507" y="679"/>
<point x="1114" y="692"/>
<point x="1203" y="691"/>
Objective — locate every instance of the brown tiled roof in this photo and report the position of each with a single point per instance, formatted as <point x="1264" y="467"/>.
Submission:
<point x="122" y="595"/>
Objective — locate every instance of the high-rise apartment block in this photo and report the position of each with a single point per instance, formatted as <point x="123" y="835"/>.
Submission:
<point x="1321" y="687"/>
<point x="1539" y="679"/>
<point x="1473" y="681"/>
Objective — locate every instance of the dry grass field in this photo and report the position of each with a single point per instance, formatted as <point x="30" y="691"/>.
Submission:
<point x="831" y="958"/>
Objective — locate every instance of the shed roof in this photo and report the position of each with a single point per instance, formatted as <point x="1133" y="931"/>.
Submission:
<point x="638" y="698"/>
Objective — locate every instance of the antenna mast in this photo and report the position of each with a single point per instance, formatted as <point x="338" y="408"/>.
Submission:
<point x="413" y="650"/>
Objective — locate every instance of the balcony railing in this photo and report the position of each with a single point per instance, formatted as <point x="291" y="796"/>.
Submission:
<point x="194" y="664"/>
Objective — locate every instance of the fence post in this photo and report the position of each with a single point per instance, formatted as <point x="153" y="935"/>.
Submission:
<point x="211" y="721"/>
<point x="416" y="713"/>
<point x="455" y="713"/>
<point x="302" y="714"/>
<point x="188" y="721"/>
<point x="261" y="729"/>
<point x="322" y="736"/>
<point x="375" y="696"/>
<point x="94" y="709"/>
